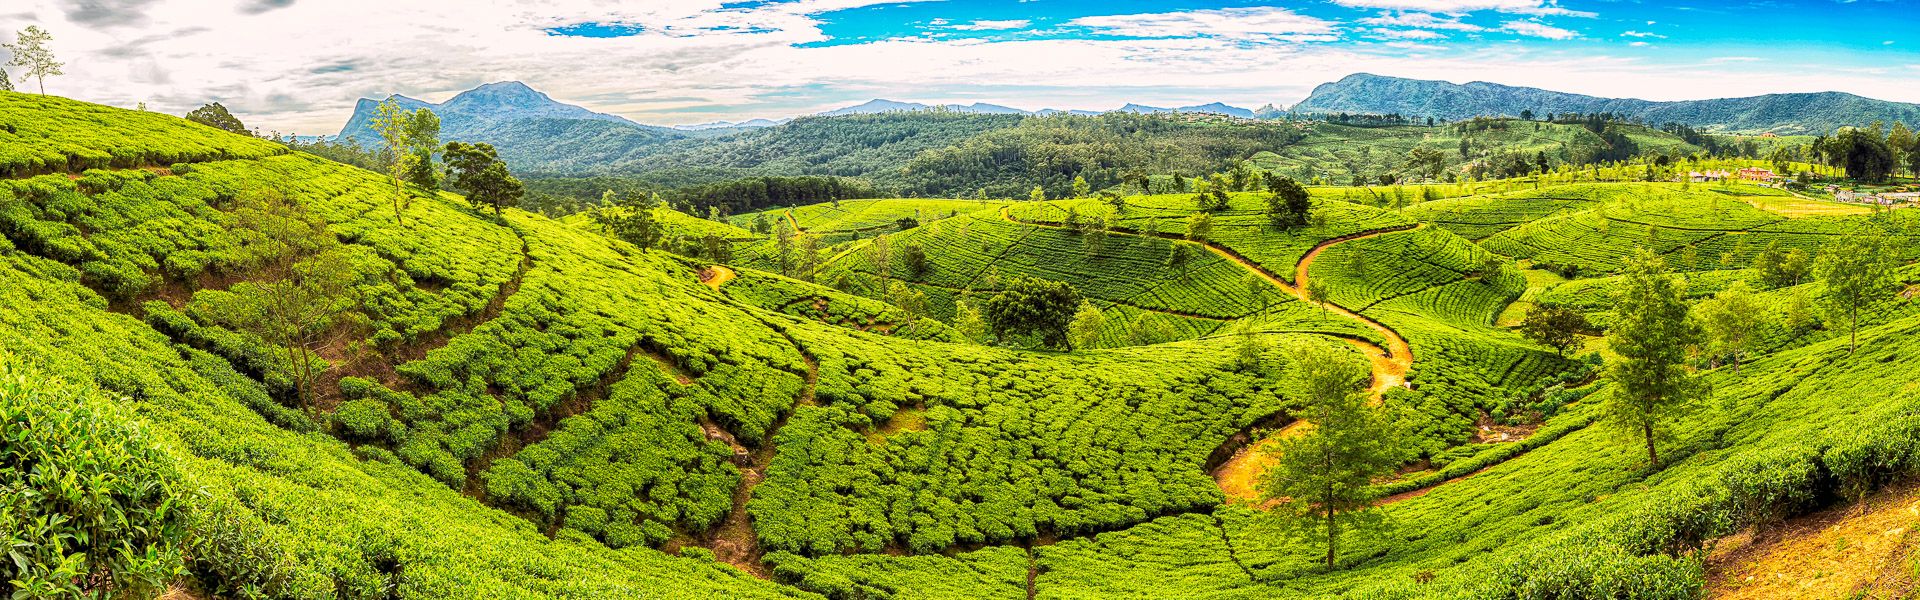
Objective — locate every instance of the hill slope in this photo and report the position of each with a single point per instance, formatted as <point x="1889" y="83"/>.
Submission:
<point x="533" y="131"/>
<point x="1780" y="113"/>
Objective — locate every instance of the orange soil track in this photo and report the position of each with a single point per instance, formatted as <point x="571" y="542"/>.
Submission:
<point x="1239" y="475"/>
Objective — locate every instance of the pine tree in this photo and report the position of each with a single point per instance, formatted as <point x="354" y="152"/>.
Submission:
<point x="1651" y="333"/>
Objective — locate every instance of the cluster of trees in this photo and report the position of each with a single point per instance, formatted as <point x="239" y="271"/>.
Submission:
<point x="216" y="116"/>
<point x="1655" y="331"/>
<point x="1871" y="154"/>
<point x="748" y="194"/>
<point x="411" y="153"/>
<point x="1104" y="151"/>
<point x="1372" y="120"/>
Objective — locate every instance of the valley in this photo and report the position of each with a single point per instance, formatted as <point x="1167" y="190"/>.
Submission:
<point x="1403" y="338"/>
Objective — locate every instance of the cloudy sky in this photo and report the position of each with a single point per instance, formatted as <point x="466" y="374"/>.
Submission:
<point x="298" y="65"/>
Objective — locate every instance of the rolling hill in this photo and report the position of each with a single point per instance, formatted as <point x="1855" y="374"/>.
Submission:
<point x="1813" y="113"/>
<point x="517" y="406"/>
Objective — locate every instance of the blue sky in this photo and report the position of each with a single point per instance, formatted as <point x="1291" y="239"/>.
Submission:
<point x="298" y="65"/>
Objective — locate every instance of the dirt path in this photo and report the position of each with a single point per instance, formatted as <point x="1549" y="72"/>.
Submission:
<point x="1238" y="476"/>
<point x="1856" y="550"/>
<point x="716" y="276"/>
<point x="1389" y="366"/>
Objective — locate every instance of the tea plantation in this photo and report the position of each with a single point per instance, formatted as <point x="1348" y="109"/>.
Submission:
<point x="508" y="405"/>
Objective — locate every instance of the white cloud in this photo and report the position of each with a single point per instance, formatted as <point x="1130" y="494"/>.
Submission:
<point x="994" y="25"/>
<point x="1406" y="34"/>
<point x="1421" y="20"/>
<point x="1413" y="46"/>
<point x="1249" y="24"/>
<point x="1461" y="7"/>
<point x="293" y="69"/>
<point x="1641" y="34"/>
<point x="1539" y="30"/>
<point x="1639" y="44"/>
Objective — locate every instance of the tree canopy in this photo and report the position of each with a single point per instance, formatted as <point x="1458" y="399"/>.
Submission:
<point x="1034" y="307"/>
<point x="216" y="116"/>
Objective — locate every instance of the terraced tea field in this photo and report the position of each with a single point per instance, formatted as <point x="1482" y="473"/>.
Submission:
<point x="516" y="406"/>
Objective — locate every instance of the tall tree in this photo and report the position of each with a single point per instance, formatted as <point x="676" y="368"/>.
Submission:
<point x="1087" y="325"/>
<point x="1731" y="321"/>
<point x="629" y="216"/>
<point x="968" y="320"/>
<point x="1322" y="477"/>
<point x="1199" y="226"/>
<point x="30" y="50"/>
<point x="914" y="256"/>
<point x="1855" y="272"/>
<point x="1248" y="346"/>
<point x="1080" y="187"/>
<point x="1317" y="294"/>
<point x="783" y="246"/>
<point x="909" y="300"/>
<point x="1289" y="203"/>
<point x="306" y="297"/>
<point x="477" y="171"/>
<point x="423" y="142"/>
<point x="1651" y="334"/>
<point x="216" y="116"/>
<point x="1555" y="326"/>
<point x="1180" y="257"/>
<point x="1031" y="307"/>
<point x="808" y="246"/>
<point x="392" y="122"/>
<point x="6" y="85"/>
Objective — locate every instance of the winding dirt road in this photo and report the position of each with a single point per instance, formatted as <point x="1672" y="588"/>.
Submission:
<point x="716" y="276"/>
<point x="1238" y="476"/>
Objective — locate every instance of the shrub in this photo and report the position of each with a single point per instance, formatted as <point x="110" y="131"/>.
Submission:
<point x="88" y="502"/>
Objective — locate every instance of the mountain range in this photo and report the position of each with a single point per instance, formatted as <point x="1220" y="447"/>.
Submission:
<point x="540" y="135"/>
<point x="1810" y="113"/>
<point x="885" y="106"/>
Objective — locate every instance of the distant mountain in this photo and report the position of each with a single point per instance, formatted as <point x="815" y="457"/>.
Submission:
<point x="751" y="124"/>
<point x="878" y="106"/>
<point x="533" y="132"/>
<point x="1216" y="108"/>
<point x="1779" y="113"/>
<point x="885" y="106"/>
<point x="474" y="111"/>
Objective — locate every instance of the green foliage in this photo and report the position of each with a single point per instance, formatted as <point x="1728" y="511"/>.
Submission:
<point x="1555" y="327"/>
<point x="216" y="116"/>
<point x="46" y="134"/>
<point x="1651" y="333"/>
<point x="477" y="171"/>
<point x="630" y="218"/>
<point x="1853" y="271"/>
<point x="1036" y="308"/>
<point x="1322" y="477"/>
<point x="91" y="507"/>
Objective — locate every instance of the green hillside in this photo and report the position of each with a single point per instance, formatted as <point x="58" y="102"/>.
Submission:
<point x="233" y="370"/>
